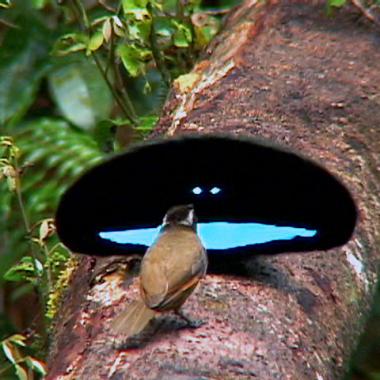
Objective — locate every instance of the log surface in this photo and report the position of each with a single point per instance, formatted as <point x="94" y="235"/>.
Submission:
<point x="285" y="72"/>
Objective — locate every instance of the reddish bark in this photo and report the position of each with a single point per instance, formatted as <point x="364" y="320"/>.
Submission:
<point x="286" y="72"/>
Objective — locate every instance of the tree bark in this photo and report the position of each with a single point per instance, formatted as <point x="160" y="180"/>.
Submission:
<point x="286" y="72"/>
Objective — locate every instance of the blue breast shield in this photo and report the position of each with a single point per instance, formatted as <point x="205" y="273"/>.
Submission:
<point x="250" y="198"/>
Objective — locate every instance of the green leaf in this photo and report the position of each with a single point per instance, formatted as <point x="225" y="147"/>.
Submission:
<point x="38" y="4"/>
<point x="331" y="4"/>
<point x="182" y="36"/>
<point x="21" y="373"/>
<point x="146" y="124"/>
<point x="134" y="58"/>
<point x="105" y="135"/>
<point x="70" y="43"/>
<point x="81" y="93"/>
<point x="205" y="28"/>
<point x="112" y="25"/>
<point x="9" y="173"/>
<point x="131" y="6"/>
<point x="337" y="3"/>
<point x="139" y="19"/>
<point x="8" y="350"/>
<point x="118" y="27"/>
<point x="95" y="42"/>
<point x="5" y="3"/>
<point x="164" y="27"/>
<point x="36" y="365"/>
<point x="46" y="230"/>
<point x="23" y="271"/>
<point x="107" y="29"/>
<point x="17" y="339"/>
<point x="24" y="60"/>
<point x="147" y="89"/>
<point x="140" y="30"/>
<point x="164" y="30"/>
<point x="169" y="6"/>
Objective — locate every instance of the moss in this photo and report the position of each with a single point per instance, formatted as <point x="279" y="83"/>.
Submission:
<point x="61" y="284"/>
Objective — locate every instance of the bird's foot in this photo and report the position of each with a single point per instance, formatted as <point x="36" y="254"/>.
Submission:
<point x="192" y="323"/>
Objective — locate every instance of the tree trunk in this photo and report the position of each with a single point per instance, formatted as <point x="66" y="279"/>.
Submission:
<point x="283" y="71"/>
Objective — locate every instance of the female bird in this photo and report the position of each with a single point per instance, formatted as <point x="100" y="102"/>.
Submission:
<point x="170" y="271"/>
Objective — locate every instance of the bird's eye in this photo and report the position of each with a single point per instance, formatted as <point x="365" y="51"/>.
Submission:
<point x="197" y="190"/>
<point x="215" y="190"/>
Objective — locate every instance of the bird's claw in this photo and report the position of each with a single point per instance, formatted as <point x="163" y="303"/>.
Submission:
<point x="192" y="323"/>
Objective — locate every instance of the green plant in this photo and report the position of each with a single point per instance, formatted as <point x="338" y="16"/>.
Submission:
<point x="78" y="80"/>
<point x="133" y="39"/>
<point x="15" y="352"/>
<point x="41" y="265"/>
<point x="52" y="155"/>
<point x="30" y="269"/>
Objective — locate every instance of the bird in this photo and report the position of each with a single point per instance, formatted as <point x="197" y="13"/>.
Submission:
<point x="170" y="270"/>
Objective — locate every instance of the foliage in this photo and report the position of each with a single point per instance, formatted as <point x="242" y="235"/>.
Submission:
<point x="51" y="154"/>
<point x="15" y="352"/>
<point x="45" y="259"/>
<point x="23" y="62"/>
<point x="39" y="265"/>
<point x="134" y="38"/>
<point x="80" y="93"/>
<point x="78" y="80"/>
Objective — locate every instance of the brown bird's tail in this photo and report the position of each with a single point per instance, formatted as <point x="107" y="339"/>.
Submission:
<point x="133" y="319"/>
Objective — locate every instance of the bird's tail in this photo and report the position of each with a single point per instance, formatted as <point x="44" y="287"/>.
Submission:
<point x="133" y="319"/>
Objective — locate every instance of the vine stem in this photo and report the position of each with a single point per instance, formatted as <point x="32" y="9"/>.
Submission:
<point x="11" y="365"/>
<point x="20" y="201"/>
<point x="366" y="12"/>
<point x="119" y="79"/>
<point x="24" y="215"/>
<point x="157" y="55"/>
<point x="48" y="268"/>
<point x="123" y="106"/>
<point x="180" y="13"/>
<point x="124" y="102"/>
<point x="106" y="6"/>
<point x="22" y="208"/>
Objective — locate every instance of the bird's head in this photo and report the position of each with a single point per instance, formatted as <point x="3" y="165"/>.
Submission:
<point x="180" y="215"/>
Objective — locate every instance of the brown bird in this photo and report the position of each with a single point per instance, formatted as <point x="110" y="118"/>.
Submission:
<point x="170" y="270"/>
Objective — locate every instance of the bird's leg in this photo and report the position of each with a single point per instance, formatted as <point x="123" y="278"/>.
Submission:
<point x="193" y="323"/>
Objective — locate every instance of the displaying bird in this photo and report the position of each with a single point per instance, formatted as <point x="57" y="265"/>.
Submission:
<point x="170" y="270"/>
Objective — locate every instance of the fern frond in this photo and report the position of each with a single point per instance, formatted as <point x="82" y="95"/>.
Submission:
<point x="53" y="155"/>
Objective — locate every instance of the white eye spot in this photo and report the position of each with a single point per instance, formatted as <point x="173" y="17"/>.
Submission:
<point x="190" y="218"/>
<point x="197" y="190"/>
<point x="215" y="190"/>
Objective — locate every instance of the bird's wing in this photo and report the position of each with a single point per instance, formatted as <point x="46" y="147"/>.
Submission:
<point x="199" y="267"/>
<point x="174" y="298"/>
<point x="153" y="284"/>
<point x="172" y="266"/>
<point x="186" y="261"/>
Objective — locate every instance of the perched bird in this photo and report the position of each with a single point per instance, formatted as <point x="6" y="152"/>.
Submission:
<point x="170" y="270"/>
